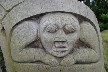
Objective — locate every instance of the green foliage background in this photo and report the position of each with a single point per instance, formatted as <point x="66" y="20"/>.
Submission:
<point x="105" y="44"/>
<point x="100" y="8"/>
<point x="2" y="63"/>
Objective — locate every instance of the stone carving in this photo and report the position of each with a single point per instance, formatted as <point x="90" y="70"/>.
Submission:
<point x="51" y="36"/>
<point x="61" y="35"/>
<point x="8" y="4"/>
<point x="59" y="32"/>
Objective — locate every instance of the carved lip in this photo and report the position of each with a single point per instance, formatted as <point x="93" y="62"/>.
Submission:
<point x="60" y="50"/>
<point x="60" y="46"/>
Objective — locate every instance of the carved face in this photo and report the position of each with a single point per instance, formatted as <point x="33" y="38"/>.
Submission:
<point x="59" y="33"/>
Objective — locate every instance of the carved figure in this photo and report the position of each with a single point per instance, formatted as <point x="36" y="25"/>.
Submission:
<point x="50" y="36"/>
<point x="60" y="34"/>
<point x="25" y="45"/>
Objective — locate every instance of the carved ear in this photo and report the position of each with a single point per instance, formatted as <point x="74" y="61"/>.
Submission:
<point x="89" y="36"/>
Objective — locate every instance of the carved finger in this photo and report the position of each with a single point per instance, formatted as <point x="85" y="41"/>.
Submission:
<point x="68" y="61"/>
<point x="85" y="55"/>
<point x="50" y="60"/>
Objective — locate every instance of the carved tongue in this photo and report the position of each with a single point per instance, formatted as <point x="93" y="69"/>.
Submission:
<point x="60" y="44"/>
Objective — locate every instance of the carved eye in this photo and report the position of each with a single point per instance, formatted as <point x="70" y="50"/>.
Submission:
<point x="69" y="29"/>
<point x="51" y="28"/>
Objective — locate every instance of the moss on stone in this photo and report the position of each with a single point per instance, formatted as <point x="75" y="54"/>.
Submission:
<point x="105" y="46"/>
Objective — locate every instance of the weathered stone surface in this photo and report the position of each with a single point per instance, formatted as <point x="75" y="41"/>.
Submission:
<point x="51" y="36"/>
<point x="2" y="12"/>
<point x="63" y="27"/>
<point x="30" y="8"/>
<point x="0" y="25"/>
<point x="8" y="4"/>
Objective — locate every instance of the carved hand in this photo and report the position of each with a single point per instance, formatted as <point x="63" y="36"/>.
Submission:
<point x="50" y="60"/>
<point x="85" y="55"/>
<point x="68" y="60"/>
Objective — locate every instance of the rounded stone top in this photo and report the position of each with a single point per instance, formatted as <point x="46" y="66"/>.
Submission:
<point x="30" y="8"/>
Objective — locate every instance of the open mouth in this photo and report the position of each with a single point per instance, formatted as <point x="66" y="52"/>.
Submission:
<point x="60" y="46"/>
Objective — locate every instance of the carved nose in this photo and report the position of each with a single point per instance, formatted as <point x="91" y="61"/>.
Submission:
<point x="60" y="39"/>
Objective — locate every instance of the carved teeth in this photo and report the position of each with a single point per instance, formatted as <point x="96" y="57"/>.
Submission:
<point x="60" y="44"/>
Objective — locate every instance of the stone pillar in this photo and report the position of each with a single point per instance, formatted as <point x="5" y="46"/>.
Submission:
<point x="50" y="36"/>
